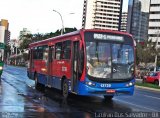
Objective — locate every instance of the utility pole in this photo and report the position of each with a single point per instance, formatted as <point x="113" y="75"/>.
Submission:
<point x="155" y="62"/>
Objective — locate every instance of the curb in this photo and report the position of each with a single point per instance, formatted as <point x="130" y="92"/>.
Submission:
<point x="147" y="88"/>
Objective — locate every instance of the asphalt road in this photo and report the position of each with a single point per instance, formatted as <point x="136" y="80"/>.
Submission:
<point x="18" y="98"/>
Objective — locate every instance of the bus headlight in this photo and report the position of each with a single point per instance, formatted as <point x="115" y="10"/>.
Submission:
<point x="1" y="68"/>
<point x="90" y="83"/>
<point x="130" y="84"/>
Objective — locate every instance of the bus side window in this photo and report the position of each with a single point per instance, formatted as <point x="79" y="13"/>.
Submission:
<point x="58" y="50"/>
<point x="45" y="53"/>
<point x="53" y="52"/>
<point x="66" y="53"/>
<point x="35" y="53"/>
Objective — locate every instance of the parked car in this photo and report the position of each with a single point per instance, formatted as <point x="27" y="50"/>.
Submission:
<point x="153" y="77"/>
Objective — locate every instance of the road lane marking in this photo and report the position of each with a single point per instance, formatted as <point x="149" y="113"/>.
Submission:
<point x="147" y="89"/>
<point x="138" y="105"/>
<point x="148" y="96"/>
<point x="152" y="97"/>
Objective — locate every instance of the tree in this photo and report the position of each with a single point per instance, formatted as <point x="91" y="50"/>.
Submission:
<point x="67" y="30"/>
<point x="29" y="38"/>
<point x="146" y="53"/>
<point x="37" y="37"/>
<point x="58" y="32"/>
<point x="25" y="43"/>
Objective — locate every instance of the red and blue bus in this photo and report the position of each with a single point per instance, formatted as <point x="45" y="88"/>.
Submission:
<point x="85" y="62"/>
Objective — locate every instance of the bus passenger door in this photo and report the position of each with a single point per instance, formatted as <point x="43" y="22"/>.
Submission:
<point x="75" y="64"/>
<point x="50" y="60"/>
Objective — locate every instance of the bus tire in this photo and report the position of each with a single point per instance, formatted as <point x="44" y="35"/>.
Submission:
<point x="108" y="98"/>
<point x="65" y="88"/>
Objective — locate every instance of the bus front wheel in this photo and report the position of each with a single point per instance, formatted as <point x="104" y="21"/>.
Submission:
<point x="65" y="89"/>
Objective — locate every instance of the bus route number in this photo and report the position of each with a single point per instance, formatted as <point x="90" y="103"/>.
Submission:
<point x="105" y="85"/>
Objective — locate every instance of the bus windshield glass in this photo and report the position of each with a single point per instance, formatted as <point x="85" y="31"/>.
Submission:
<point x="109" y="60"/>
<point x="98" y="59"/>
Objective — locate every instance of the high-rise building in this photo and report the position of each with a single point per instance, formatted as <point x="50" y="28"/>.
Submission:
<point x="8" y="37"/>
<point x="2" y="34"/>
<point x="24" y="32"/>
<point x="4" y="23"/>
<point x="124" y="22"/>
<point x="138" y="18"/>
<point x="154" y="21"/>
<point x="102" y="14"/>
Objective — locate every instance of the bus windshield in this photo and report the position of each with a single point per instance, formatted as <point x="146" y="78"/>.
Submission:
<point x="109" y="60"/>
<point x="98" y="59"/>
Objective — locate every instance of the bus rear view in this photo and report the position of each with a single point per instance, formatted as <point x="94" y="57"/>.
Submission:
<point x="109" y="64"/>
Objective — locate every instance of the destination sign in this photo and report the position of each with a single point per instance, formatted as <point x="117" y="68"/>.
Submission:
<point x="108" y="37"/>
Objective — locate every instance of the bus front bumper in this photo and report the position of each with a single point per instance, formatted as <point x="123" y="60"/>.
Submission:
<point x="94" y="91"/>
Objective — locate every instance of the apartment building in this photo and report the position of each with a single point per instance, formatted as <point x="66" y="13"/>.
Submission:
<point x="154" y="21"/>
<point x="124" y="22"/>
<point x="138" y="18"/>
<point x="4" y="32"/>
<point x="102" y="14"/>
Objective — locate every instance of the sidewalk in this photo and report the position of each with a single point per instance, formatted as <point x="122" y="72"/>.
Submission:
<point x="148" y="88"/>
<point x="139" y="80"/>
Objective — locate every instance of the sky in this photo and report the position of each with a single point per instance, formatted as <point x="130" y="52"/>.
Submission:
<point x="38" y="15"/>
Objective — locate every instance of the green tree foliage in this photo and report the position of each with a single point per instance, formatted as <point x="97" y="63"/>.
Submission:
<point x="58" y="32"/>
<point x="25" y="56"/>
<point x="146" y="52"/>
<point x="25" y="43"/>
<point x="29" y="38"/>
<point x="67" y="30"/>
<point x="7" y="51"/>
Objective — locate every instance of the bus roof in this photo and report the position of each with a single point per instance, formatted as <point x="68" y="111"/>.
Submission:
<point x="76" y="33"/>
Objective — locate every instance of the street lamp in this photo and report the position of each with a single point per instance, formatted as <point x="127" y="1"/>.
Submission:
<point x="63" y="29"/>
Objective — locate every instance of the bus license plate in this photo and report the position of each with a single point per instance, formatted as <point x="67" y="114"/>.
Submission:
<point x="110" y="91"/>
